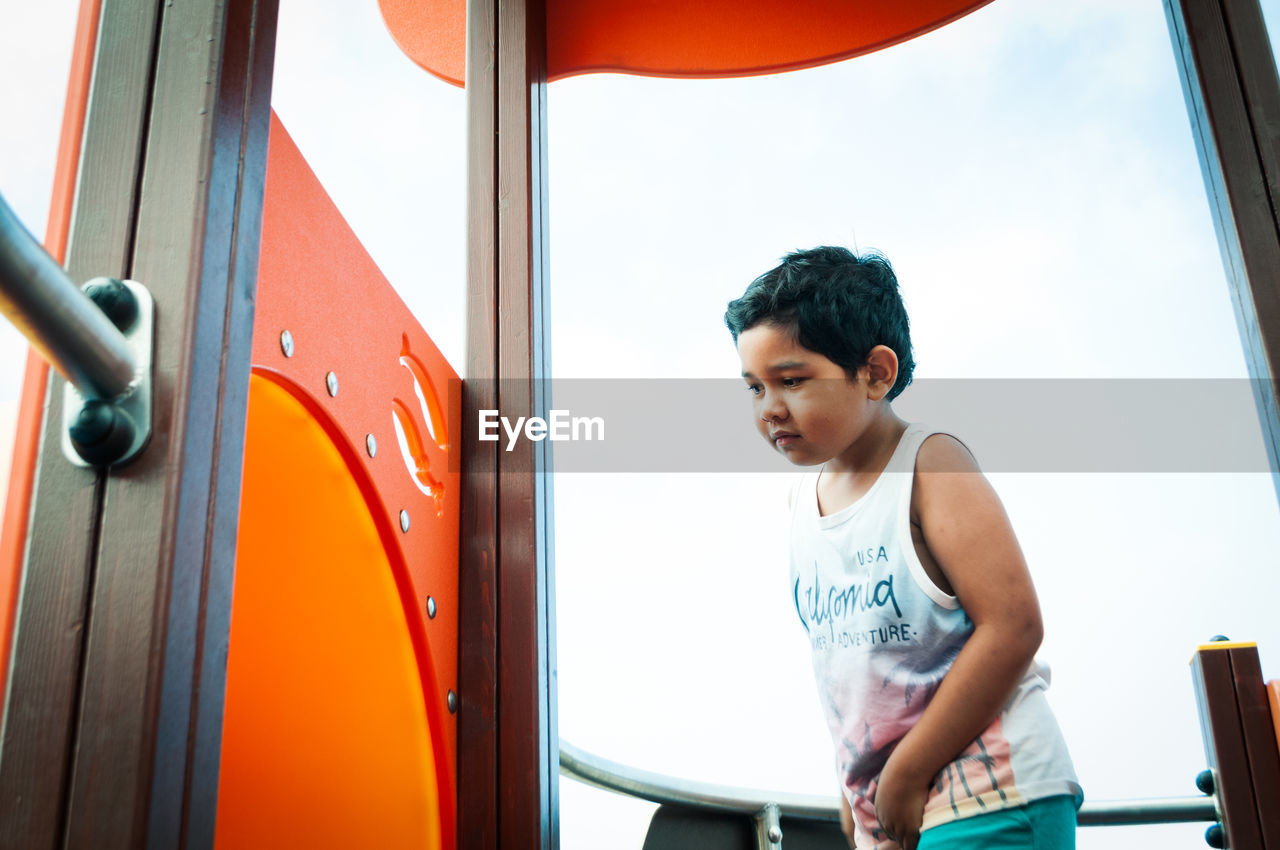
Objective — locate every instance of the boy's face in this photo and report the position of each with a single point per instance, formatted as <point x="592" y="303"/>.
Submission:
<point x="805" y="405"/>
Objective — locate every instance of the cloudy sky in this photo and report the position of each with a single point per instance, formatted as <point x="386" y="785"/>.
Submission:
<point x="1031" y="174"/>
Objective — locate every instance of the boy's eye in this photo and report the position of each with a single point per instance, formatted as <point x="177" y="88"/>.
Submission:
<point x="754" y="389"/>
<point x="792" y="382"/>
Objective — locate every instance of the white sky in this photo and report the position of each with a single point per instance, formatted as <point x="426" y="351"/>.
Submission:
<point x="1030" y="172"/>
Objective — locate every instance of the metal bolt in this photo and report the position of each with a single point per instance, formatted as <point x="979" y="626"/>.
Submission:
<point x="775" y="835"/>
<point x="114" y="299"/>
<point x="452" y="702"/>
<point x="101" y="433"/>
<point x="371" y="445"/>
<point x="1204" y="781"/>
<point x="331" y="382"/>
<point x="431" y="607"/>
<point x="404" y="521"/>
<point x="286" y="343"/>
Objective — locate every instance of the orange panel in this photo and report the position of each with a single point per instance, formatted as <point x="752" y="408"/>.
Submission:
<point x="324" y="307"/>
<point x="326" y="739"/>
<point x="677" y="38"/>
<point x="26" y="442"/>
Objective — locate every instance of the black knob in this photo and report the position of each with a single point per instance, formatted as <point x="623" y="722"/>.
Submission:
<point x="102" y="433"/>
<point x="1204" y="781"/>
<point x="115" y="299"/>
<point x="1214" y="836"/>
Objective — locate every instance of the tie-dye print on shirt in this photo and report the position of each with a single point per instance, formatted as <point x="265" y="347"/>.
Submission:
<point x="883" y="636"/>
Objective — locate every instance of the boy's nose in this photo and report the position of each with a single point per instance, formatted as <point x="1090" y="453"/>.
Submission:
<point x="773" y="411"/>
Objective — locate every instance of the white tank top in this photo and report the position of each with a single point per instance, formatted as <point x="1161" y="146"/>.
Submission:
<point x="883" y="635"/>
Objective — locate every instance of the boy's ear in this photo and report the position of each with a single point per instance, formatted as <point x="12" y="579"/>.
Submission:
<point x="882" y="371"/>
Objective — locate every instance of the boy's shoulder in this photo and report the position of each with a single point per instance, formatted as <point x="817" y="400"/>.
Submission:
<point x="943" y="452"/>
<point x="948" y="484"/>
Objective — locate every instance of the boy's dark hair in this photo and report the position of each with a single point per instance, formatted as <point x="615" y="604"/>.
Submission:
<point x="835" y="303"/>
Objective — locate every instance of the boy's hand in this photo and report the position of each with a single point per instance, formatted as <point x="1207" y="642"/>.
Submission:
<point x="900" y="799"/>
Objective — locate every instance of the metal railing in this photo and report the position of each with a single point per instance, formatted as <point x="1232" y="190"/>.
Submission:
<point x="98" y="337"/>
<point x="57" y="318"/>
<point x="768" y="807"/>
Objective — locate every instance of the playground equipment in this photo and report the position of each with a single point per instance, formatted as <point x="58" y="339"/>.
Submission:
<point x="383" y="675"/>
<point x="1240" y="719"/>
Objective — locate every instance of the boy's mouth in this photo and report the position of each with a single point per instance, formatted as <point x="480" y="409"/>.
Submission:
<point x="782" y="439"/>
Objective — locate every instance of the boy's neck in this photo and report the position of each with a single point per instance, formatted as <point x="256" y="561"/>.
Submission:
<point x="870" y="453"/>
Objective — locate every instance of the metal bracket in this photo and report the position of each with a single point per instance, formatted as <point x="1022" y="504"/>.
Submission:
<point x="135" y="403"/>
<point x="768" y="823"/>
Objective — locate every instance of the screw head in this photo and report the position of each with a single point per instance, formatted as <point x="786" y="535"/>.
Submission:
<point x="371" y="445"/>
<point x="114" y="299"/>
<point x="431" y="607"/>
<point x="101" y="432"/>
<point x="1204" y="781"/>
<point x="286" y="343"/>
<point x="331" y="384"/>
<point x="775" y="835"/>
<point x="451" y="700"/>
<point x="404" y="521"/>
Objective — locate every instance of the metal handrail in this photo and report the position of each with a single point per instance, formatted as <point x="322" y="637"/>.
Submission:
<point x="593" y="770"/>
<point x="59" y="320"/>
<point x="1148" y="811"/>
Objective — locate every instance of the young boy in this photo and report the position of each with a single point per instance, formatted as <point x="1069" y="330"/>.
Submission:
<point x="906" y="574"/>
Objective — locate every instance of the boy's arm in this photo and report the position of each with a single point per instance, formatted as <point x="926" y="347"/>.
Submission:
<point x="969" y="535"/>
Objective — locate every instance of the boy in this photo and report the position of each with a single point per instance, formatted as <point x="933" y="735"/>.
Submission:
<point x="920" y="612"/>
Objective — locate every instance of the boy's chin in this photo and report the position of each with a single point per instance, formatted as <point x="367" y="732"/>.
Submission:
<point x="801" y="458"/>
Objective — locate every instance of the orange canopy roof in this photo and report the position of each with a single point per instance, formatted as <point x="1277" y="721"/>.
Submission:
<point x="680" y="38"/>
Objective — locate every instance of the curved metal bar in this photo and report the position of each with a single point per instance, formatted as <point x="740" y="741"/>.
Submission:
<point x="659" y="788"/>
<point x="57" y="318"/>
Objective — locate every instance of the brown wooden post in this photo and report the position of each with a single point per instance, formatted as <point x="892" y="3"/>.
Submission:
<point x="1239" y="742"/>
<point x="114" y="714"/>
<point x="43" y="691"/>
<point x="508" y="762"/>
<point x="478" y="534"/>
<point x="1233" y="98"/>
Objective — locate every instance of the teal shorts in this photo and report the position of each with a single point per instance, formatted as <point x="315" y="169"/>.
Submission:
<point x="1046" y="824"/>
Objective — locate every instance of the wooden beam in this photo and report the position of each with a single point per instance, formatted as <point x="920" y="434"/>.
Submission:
<point x="1224" y="746"/>
<point x="123" y="627"/>
<point x="508" y="755"/>
<point x="477" y="768"/>
<point x="1233" y="99"/>
<point x="1259" y="734"/>
<point x="48" y="638"/>
<point x="527" y="739"/>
